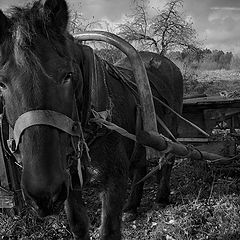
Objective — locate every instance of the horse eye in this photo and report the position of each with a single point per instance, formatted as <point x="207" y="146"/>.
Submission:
<point x="68" y="77"/>
<point x="2" y="86"/>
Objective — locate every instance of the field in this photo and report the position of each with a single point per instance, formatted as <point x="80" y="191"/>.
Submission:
<point x="211" y="82"/>
<point x="205" y="201"/>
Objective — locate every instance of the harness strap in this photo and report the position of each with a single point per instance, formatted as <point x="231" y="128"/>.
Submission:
<point x="100" y="118"/>
<point x="7" y="152"/>
<point x="42" y="117"/>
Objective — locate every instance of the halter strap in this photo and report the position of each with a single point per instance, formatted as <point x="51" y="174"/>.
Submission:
<point x="42" y="117"/>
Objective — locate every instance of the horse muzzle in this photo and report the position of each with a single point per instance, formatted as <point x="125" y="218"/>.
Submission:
<point x="46" y="202"/>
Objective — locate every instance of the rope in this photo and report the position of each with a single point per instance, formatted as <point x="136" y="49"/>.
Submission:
<point x="181" y="117"/>
<point x="81" y="146"/>
<point x="163" y="160"/>
<point x="190" y="149"/>
<point x="166" y="128"/>
<point x="100" y="120"/>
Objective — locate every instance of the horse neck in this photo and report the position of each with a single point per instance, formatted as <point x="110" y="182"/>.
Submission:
<point x="95" y="92"/>
<point x="100" y="95"/>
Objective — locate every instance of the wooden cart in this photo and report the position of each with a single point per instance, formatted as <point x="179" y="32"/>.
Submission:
<point x="219" y="117"/>
<point x="11" y="196"/>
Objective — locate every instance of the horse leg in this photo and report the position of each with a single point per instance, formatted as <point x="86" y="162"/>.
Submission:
<point x="114" y="192"/>
<point x="163" y="177"/>
<point x="112" y="203"/>
<point x="138" y="171"/>
<point x="77" y="215"/>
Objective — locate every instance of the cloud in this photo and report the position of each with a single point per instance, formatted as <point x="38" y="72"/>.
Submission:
<point x="223" y="29"/>
<point x="5" y="4"/>
<point x="226" y="8"/>
<point x="216" y="21"/>
<point x="224" y="13"/>
<point x="110" y="9"/>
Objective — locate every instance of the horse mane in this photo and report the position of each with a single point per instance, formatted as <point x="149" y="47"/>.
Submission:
<point x="25" y="24"/>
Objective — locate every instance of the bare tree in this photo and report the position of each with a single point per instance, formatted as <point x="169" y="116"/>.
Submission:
<point x="168" y="29"/>
<point x="138" y="27"/>
<point x="80" y="23"/>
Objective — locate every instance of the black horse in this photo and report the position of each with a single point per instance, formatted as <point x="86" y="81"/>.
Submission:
<point x="46" y="79"/>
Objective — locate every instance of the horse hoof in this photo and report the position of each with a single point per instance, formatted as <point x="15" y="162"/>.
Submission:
<point x="159" y="205"/>
<point x="129" y="216"/>
<point x="75" y="237"/>
<point x="162" y="205"/>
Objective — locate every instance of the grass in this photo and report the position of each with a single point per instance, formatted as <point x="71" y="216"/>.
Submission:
<point x="217" y="219"/>
<point x="27" y="226"/>
<point x="206" y="205"/>
<point x="218" y="75"/>
<point x="212" y="82"/>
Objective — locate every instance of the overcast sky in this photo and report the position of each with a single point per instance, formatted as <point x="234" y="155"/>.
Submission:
<point x="217" y="21"/>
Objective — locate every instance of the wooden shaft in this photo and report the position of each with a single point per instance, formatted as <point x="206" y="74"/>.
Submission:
<point x="161" y="143"/>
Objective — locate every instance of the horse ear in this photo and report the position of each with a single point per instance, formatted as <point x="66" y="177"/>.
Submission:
<point x="4" y="26"/>
<point x="58" y="11"/>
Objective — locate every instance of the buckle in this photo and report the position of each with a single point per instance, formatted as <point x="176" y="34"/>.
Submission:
<point x="11" y="145"/>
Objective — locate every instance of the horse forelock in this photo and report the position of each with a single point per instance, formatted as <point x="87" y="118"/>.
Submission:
<point x="22" y="50"/>
<point x="27" y="24"/>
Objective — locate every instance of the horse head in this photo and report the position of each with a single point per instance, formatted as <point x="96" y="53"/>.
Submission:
<point x="37" y="72"/>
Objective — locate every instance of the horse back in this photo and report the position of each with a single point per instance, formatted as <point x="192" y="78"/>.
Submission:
<point x="164" y="76"/>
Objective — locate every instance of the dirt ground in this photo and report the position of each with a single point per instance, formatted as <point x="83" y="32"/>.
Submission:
<point x="205" y="204"/>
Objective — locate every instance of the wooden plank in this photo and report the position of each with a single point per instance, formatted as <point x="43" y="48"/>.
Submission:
<point x="6" y="198"/>
<point x="3" y="171"/>
<point x="211" y="100"/>
<point x="12" y="176"/>
<point x="193" y="140"/>
<point x="188" y="107"/>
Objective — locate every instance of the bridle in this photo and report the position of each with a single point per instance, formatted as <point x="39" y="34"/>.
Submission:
<point x="53" y="119"/>
<point x="42" y="117"/>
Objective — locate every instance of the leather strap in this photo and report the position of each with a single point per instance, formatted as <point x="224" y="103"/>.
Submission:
<point x="42" y="117"/>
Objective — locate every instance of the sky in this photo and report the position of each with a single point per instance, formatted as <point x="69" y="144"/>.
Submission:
<point x="216" y="21"/>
